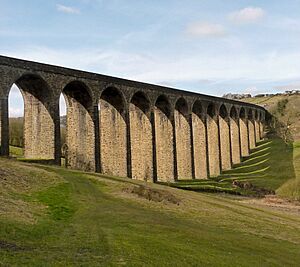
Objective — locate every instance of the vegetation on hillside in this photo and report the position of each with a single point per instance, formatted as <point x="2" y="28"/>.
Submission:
<point x="16" y="136"/>
<point x="286" y="114"/>
<point x="16" y="132"/>
<point x="72" y="218"/>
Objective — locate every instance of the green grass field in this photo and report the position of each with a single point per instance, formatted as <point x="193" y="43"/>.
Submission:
<point x="272" y="165"/>
<point x="51" y="216"/>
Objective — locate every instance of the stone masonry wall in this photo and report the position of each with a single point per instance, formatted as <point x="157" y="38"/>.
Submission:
<point x="213" y="147"/>
<point x="244" y="138"/>
<point x="38" y="129"/>
<point x="261" y="130"/>
<point x="251" y="130"/>
<point x="164" y="146"/>
<point x="118" y="141"/>
<point x="235" y="141"/>
<point x="257" y="133"/>
<point x="80" y="137"/>
<point x="113" y="144"/>
<point x="183" y="146"/>
<point x="225" y="143"/>
<point x="141" y="144"/>
<point x="200" y="153"/>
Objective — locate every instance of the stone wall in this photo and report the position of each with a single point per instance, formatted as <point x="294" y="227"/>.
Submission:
<point x="244" y="138"/>
<point x="200" y="153"/>
<point x="257" y="132"/>
<point x="235" y="141"/>
<point x="79" y="137"/>
<point x="183" y="146"/>
<point x="164" y="146"/>
<point x="38" y="129"/>
<point x="213" y="146"/>
<point x="113" y="144"/>
<point x="225" y="143"/>
<point x="251" y="134"/>
<point x="125" y="128"/>
<point x="141" y="144"/>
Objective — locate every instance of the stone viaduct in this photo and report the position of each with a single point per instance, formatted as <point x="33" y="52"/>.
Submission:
<point x="126" y="128"/>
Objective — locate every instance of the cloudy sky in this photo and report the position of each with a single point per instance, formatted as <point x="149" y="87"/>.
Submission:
<point x="207" y="46"/>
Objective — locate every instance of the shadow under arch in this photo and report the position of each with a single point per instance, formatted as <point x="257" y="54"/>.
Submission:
<point x="183" y="140"/>
<point x="225" y="140"/>
<point x="164" y="140"/>
<point x="113" y="133"/>
<point x="141" y="137"/>
<point x="199" y="141"/>
<point x="213" y="140"/>
<point x="39" y="118"/>
<point x="80" y="127"/>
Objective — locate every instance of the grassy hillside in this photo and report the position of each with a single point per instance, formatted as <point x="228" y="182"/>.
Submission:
<point x="273" y="167"/>
<point x="285" y="108"/>
<point x="51" y="216"/>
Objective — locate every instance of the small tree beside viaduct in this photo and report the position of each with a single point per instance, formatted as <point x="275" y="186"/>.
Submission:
<point x="126" y="128"/>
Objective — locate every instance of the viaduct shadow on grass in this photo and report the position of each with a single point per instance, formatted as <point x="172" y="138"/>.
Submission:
<point x="267" y="168"/>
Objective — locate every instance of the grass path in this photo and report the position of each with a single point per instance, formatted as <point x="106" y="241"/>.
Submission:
<point x="91" y="222"/>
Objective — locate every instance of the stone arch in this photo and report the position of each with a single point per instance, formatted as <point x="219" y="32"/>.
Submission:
<point x="183" y="139"/>
<point x="39" y="117"/>
<point x="213" y="140"/>
<point x="80" y="127"/>
<point x="251" y="129"/>
<point x="113" y="132"/>
<point x="199" y="141"/>
<point x="235" y="136"/>
<point x="164" y="139"/>
<point x="244" y="138"/>
<point x="225" y="146"/>
<point x="141" y="137"/>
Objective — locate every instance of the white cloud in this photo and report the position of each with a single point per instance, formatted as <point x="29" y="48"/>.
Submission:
<point x="16" y="112"/>
<point x="205" y="29"/>
<point x="290" y="86"/>
<point x="177" y="71"/>
<point x="247" y="15"/>
<point x="67" y="9"/>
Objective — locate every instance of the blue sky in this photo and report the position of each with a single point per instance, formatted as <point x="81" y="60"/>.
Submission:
<point x="208" y="46"/>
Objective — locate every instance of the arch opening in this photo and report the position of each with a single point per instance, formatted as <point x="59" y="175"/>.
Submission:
<point x="141" y="138"/>
<point x="211" y="110"/>
<point x="223" y="112"/>
<point x="16" y="121"/>
<point x="199" y="139"/>
<point x="38" y="123"/>
<point x="113" y="132"/>
<point x="164" y="140"/>
<point x="79" y="145"/>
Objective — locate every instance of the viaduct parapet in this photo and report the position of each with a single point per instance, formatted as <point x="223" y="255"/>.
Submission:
<point x="126" y="128"/>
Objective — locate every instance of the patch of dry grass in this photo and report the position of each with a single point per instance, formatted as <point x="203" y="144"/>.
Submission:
<point x="16" y="180"/>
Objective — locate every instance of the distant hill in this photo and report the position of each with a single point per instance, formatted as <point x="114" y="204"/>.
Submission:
<point x="284" y="107"/>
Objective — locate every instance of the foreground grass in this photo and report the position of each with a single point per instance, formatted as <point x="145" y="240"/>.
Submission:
<point x="88" y="220"/>
<point x="272" y="165"/>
